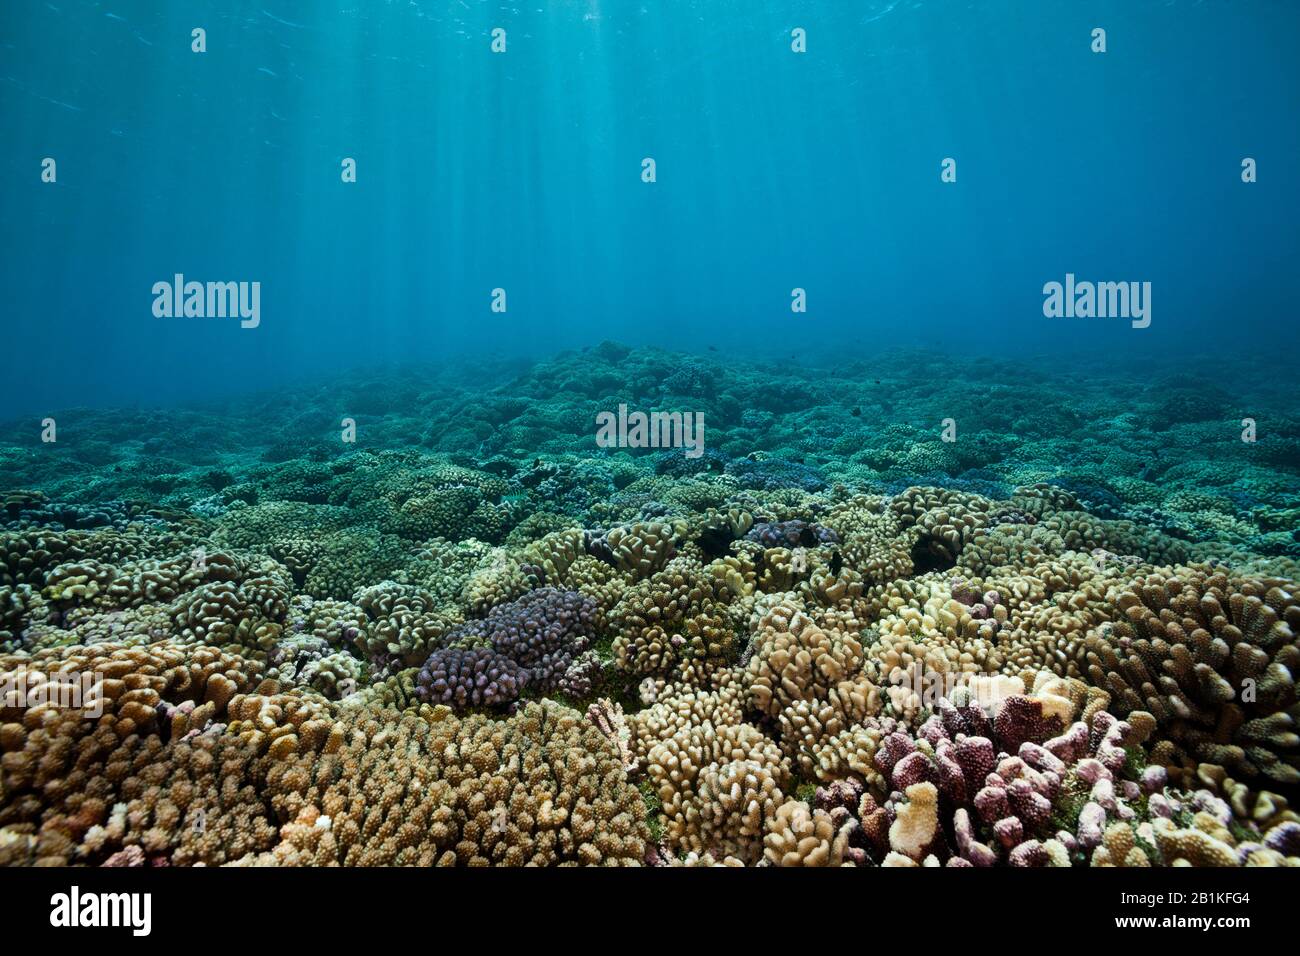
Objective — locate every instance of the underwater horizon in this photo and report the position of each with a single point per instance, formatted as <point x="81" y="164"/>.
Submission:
<point x="672" y="434"/>
<point x="522" y="171"/>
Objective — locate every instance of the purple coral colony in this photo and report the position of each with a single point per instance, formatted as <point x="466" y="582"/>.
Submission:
<point x="466" y="654"/>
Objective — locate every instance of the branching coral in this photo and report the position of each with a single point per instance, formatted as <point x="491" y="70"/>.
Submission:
<point x="1214" y="660"/>
<point x="811" y="655"/>
<point x="640" y="549"/>
<point x="685" y="612"/>
<point x="807" y="678"/>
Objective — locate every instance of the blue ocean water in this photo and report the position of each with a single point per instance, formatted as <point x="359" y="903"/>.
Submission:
<point x="669" y="403"/>
<point x="521" y="170"/>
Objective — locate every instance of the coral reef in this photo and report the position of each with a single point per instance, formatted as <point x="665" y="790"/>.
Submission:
<point x="477" y="639"/>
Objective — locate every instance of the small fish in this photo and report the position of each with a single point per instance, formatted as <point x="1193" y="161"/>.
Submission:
<point x="856" y="413"/>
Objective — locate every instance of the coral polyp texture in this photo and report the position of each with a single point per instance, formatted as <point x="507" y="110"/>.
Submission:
<point x="473" y="637"/>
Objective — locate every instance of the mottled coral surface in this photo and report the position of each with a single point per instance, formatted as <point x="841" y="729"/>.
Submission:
<point x="472" y="637"/>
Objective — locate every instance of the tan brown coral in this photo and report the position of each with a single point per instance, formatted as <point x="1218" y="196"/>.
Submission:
<point x="1213" y="659"/>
